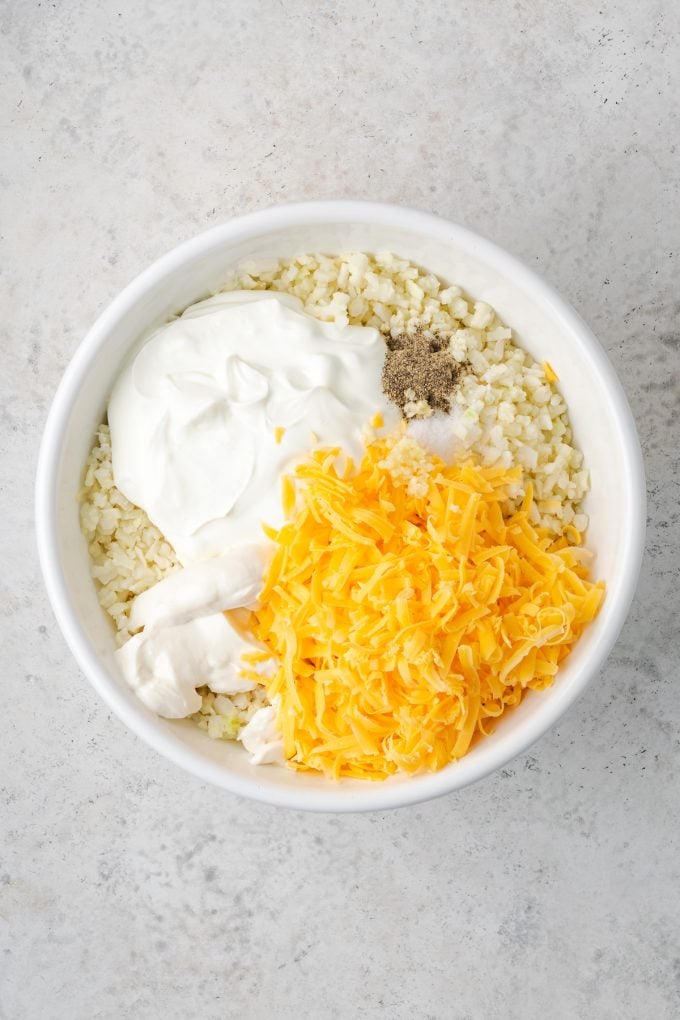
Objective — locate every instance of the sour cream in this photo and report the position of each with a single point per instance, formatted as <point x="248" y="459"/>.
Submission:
<point x="231" y="581"/>
<point x="185" y="640"/>
<point x="164" y="665"/>
<point x="262" y="738"/>
<point x="219" y="403"/>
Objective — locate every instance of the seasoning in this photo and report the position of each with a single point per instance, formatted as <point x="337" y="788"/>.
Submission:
<point x="419" y="374"/>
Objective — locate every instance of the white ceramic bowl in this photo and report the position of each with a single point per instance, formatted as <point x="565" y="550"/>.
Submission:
<point x="544" y="324"/>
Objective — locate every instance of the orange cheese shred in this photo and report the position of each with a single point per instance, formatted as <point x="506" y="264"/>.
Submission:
<point x="550" y="373"/>
<point x="406" y="619"/>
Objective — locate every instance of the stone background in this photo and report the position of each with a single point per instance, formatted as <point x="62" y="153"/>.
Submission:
<point x="127" y="889"/>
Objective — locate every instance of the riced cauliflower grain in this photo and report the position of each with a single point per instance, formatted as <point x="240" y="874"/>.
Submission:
<point x="128" y="554"/>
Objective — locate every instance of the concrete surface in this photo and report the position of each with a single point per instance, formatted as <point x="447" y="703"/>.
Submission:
<point x="127" y="889"/>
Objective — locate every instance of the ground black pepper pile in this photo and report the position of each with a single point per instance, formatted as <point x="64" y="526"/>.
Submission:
<point x="418" y="366"/>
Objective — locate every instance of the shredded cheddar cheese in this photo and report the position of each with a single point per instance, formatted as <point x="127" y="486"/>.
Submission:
<point x="405" y="619"/>
<point x="550" y="373"/>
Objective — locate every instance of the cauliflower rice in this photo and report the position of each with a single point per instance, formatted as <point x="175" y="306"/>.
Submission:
<point x="509" y="414"/>
<point x="128" y="553"/>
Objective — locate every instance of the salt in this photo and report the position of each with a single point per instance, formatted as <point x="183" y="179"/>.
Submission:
<point x="438" y="434"/>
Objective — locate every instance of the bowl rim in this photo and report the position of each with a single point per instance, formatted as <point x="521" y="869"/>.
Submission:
<point x="380" y="796"/>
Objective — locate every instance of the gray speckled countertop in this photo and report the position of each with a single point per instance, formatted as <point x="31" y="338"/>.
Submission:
<point x="128" y="889"/>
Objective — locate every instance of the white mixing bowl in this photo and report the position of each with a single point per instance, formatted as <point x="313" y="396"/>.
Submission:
<point x="545" y="325"/>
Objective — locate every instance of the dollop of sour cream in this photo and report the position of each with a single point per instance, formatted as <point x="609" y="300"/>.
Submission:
<point x="164" y="665"/>
<point x="262" y="738"/>
<point x="230" y="581"/>
<point x="219" y="403"/>
<point x="185" y="639"/>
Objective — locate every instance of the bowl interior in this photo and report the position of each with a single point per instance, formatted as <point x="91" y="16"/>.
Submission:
<point x="543" y="325"/>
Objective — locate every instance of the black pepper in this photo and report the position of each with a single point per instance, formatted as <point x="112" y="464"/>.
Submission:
<point x="419" y="367"/>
